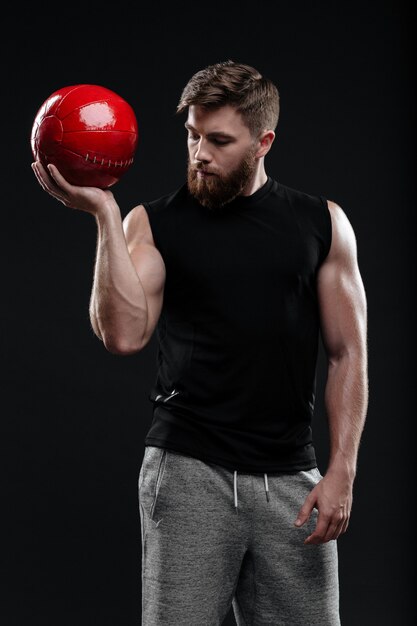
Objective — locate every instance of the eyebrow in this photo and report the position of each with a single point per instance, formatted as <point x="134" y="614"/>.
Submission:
<point x="213" y="134"/>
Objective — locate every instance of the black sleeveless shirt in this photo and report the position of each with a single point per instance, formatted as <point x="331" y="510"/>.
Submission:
<point x="239" y="328"/>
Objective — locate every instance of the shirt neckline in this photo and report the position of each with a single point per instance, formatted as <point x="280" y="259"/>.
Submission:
<point x="248" y="201"/>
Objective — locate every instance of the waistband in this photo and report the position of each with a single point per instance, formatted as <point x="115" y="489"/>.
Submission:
<point x="235" y="488"/>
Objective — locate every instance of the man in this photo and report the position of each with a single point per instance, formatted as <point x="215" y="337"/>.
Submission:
<point x="238" y="273"/>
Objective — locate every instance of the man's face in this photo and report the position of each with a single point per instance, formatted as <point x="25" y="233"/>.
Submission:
<point x="221" y="155"/>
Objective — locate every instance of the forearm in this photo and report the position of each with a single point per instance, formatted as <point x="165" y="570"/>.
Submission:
<point x="346" y="401"/>
<point x="118" y="307"/>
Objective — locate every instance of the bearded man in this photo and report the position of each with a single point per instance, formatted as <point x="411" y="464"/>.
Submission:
<point x="239" y="275"/>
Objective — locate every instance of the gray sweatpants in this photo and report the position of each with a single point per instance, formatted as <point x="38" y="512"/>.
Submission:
<point x="213" y="538"/>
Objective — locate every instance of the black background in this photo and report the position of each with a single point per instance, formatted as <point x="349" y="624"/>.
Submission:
<point x="74" y="416"/>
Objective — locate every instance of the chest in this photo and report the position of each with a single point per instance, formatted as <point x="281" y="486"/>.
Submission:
<point x="241" y="253"/>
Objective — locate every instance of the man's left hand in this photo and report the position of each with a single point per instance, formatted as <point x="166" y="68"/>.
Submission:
<point x="332" y="496"/>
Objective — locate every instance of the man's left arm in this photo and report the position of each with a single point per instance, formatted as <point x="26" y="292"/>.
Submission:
<point x="343" y="314"/>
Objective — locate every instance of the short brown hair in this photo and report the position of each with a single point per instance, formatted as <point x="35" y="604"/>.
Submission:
<point x="255" y="97"/>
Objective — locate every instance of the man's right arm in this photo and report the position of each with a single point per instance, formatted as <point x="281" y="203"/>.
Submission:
<point x="129" y="273"/>
<point x="129" y="277"/>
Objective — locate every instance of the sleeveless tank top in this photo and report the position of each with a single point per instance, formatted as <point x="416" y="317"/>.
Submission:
<point x="237" y="338"/>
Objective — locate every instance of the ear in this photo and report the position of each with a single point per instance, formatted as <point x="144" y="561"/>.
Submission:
<point x="265" y="142"/>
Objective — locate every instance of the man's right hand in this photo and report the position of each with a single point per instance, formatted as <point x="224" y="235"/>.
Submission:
<point x="89" y="199"/>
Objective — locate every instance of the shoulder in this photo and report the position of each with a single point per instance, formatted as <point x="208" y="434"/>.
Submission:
<point x="136" y="226"/>
<point x="343" y="236"/>
<point x="310" y="208"/>
<point x="141" y="221"/>
<point x="156" y="206"/>
<point x="296" y="196"/>
<point x="337" y="214"/>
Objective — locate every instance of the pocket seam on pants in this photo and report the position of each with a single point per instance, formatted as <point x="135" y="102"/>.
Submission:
<point x="142" y="522"/>
<point x="159" y="477"/>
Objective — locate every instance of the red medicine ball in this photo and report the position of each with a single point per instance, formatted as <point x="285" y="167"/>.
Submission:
<point x="88" y="132"/>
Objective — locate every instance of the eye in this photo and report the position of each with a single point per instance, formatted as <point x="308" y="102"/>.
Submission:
<point x="221" y="142"/>
<point x="193" y="137"/>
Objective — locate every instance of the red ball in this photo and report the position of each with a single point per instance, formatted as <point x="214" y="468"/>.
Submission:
<point x="89" y="132"/>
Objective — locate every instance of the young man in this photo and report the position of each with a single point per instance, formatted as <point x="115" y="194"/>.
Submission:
<point x="238" y="273"/>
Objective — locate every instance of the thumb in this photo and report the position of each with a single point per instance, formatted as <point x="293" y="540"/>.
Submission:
<point x="305" y="511"/>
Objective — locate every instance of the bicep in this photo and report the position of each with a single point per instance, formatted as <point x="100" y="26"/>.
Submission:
<point x="150" y="268"/>
<point x="341" y="293"/>
<point x="148" y="264"/>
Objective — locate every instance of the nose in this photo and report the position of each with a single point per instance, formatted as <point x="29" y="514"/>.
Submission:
<point x="202" y="152"/>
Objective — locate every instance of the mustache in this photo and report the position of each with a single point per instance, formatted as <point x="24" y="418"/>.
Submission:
<point x="201" y="168"/>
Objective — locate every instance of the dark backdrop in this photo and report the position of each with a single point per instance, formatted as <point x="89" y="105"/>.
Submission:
<point x="74" y="416"/>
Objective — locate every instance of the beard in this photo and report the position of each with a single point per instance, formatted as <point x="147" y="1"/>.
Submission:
<point x="216" y="191"/>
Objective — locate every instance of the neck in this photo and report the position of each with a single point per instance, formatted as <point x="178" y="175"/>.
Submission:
<point x="257" y="180"/>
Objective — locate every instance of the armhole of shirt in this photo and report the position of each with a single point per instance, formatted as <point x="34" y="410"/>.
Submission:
<point x="148" y="210"/>
<point x="328" y="231"/>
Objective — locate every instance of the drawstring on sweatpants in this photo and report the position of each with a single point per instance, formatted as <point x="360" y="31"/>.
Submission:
<point x="235" y="487"/>
<point x="266" y="487"/>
